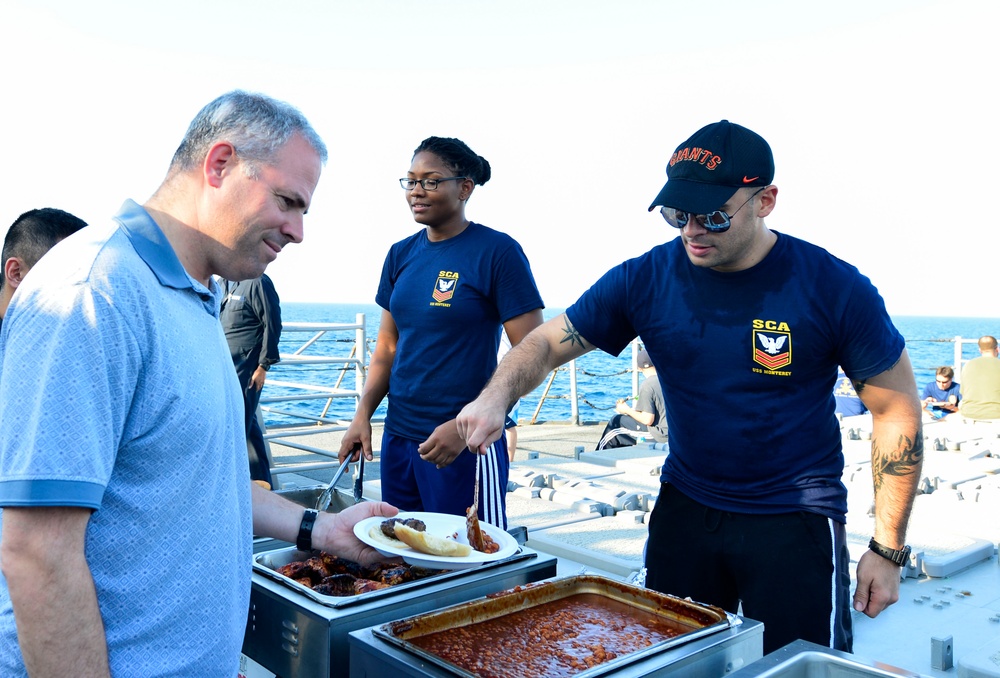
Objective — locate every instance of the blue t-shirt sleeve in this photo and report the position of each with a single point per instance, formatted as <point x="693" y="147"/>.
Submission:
<point x="870" y="343"/>
<point x="386" y="281"/>
<point x="602" y="316"/>
<point x="516" y="292"/>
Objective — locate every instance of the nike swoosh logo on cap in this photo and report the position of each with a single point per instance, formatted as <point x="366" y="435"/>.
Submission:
<point x="750" y="180"/>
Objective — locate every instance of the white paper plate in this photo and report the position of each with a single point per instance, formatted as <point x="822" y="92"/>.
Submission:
<point x="440" y="525"/>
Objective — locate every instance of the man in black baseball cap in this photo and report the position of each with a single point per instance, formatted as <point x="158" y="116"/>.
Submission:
<point x="722" y="170"/>
<point x="714" y="163"/>
<point x="747" y="328"/>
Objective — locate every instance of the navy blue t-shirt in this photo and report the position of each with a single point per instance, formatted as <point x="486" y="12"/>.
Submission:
<point x="747" y="361"/>
<point x="449" y="300"/>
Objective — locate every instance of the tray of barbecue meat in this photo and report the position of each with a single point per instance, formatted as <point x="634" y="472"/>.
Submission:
<point x="337" y="582"/>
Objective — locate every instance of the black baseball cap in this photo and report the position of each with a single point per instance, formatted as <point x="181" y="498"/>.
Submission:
<point x="707" y="169"/>
<point x="642" y="359"/>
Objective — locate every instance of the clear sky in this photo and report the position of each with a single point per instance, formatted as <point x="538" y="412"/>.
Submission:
<point x="881" y="115"/>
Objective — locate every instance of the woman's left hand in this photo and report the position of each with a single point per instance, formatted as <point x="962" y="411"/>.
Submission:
<point x="443" y="445"/>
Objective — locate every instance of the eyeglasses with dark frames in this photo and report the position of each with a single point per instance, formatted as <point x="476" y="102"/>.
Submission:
<point x="713" y="222"/>
<point x="426" y="184"/>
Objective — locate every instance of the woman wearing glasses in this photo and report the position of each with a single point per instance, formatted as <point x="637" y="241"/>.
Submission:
<point x="446" y="292"/>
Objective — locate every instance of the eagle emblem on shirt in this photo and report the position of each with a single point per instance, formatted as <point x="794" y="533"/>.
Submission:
<point x="772" y="344"/>
<point x="444" y="286"/>
<point x="772" y="349"/>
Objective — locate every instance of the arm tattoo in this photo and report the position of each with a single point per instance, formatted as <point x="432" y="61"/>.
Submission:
<point x="904" y="461"/>
<point x="572" y="335"/>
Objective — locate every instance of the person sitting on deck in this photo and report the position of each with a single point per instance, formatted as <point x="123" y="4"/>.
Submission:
<point x="648" y="416"/>
<point x="981" y="383"/>
<point x="940" y="397"/>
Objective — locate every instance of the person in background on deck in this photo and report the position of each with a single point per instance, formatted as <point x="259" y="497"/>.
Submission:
<point x="748" y="329"/>
<point x="981" y="383"/>
<point x="646" y="417"/>
<point x="944" y="392"/>
<point x="848" y="402"/>
<point x="128" y="511"/>
<point x="251" y="319"/>
<point x="446" y="292"/>
<point x="30" y="236"/>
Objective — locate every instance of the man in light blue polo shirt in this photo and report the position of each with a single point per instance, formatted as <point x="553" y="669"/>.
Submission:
<point x="127" y="524"/>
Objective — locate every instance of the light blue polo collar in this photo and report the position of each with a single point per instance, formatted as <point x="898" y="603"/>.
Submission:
<point x="153" y="247"/>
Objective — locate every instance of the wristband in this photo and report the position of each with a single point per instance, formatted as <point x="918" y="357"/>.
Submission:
<point x="897" y="557"/>
<point x="304" y="540"/>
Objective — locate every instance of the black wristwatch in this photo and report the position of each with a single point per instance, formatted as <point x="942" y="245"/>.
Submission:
<point x="304" y="541"/>
<point x="897" y="557"/>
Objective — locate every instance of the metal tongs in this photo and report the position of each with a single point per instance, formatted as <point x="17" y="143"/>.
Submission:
<point x="323" y="503"/>
<point x="473" y="531"/>
<point x="359" y="488"/>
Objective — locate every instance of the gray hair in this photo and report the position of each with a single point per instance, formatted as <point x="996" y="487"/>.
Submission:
<point x="256" y="125"/>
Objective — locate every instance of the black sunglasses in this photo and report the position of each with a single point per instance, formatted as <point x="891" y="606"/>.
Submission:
<point x="713" y="222"/>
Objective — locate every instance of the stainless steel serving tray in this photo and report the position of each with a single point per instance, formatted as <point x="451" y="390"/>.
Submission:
<point x="802" y="659"/>
<point x="267" y="562"/>
<point x="702" y="620"/>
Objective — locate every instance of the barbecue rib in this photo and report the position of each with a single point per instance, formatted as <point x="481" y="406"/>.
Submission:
<point x="329" y="575"/>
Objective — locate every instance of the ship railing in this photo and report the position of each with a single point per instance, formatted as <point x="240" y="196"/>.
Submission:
<point x="574" y="395"/>
<point x="296" y="424"/>
<point x="959" y="359"/>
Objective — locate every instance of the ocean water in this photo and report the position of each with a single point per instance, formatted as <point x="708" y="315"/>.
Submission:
<point x="601" y="378"/>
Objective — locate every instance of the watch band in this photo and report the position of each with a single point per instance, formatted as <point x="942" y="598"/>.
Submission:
<point x="896" y="557"/>
<point x="305" y="539"/>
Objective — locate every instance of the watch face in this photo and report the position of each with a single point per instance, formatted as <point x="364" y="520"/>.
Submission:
<point x="896" y="557"/>
<point x="899" y="557"/>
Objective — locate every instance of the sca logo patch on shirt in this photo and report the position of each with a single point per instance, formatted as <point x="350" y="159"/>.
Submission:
<point x="444" y="286"/>
<point x="772" y="344"/>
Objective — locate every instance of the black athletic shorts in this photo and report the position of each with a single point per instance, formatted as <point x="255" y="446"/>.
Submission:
<point x="790" y="571"/>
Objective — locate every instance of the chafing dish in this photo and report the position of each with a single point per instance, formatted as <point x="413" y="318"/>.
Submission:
<point x="295" y="633"/>
<point x="709" y="641"/>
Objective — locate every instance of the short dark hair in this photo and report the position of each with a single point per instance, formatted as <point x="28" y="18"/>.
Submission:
<point x="35" y="232"/>
<point x="459" y="158"/>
